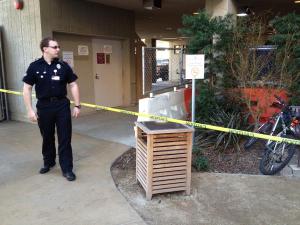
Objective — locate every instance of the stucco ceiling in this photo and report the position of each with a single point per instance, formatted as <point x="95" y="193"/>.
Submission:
<point x="163" y="23"/>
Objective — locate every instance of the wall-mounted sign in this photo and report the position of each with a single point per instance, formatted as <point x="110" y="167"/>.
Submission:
<point x="100" y="58"/>
<point x="68" y="57"/>
<point x="107" y="49"/>
<point x="194" y="66"/>
<point x="83" y="50"/>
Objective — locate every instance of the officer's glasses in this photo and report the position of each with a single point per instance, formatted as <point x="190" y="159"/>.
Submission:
<point x="55" y="47"/>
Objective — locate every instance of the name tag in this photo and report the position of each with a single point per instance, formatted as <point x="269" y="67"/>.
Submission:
<point x="55" y="77"/>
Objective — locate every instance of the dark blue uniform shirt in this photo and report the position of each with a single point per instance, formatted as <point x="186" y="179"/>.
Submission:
<point x="49" y="80"/>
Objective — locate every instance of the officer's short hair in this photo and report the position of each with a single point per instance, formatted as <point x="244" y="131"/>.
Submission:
<point x="45" y="42"/>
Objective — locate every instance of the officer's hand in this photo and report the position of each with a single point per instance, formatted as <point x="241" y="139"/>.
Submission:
<point x="32" y="116"/>
<point x="76" y="112"/>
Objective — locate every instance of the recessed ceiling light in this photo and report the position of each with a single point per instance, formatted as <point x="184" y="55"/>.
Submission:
<point x="170" y="38"/>
<point x="297" y="1"/>
<point x="195" y="13"/>
<point x="242" y="14"/>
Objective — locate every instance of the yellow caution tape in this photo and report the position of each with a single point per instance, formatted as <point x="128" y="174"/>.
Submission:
<point x="11" y="92"/>
<point x="189" y="123"/>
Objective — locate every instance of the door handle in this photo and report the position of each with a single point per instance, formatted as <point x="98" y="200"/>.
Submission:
<point x="97" y="76"/>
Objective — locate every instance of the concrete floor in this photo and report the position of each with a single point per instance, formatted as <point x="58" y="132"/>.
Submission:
<point x="29" y="198"/>
<point x="109" y="126"/>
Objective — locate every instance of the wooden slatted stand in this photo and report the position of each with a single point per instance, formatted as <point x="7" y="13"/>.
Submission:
<point x="163" y="157"/>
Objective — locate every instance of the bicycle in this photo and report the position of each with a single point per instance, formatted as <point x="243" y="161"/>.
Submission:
<point x="278" y="154"/>
<point x="266" y="127"/>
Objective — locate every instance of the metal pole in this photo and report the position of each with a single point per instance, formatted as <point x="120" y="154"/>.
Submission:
<point x="181" y="67"/>
<point x="193" y="102"/>
<point x="143" y="69"/>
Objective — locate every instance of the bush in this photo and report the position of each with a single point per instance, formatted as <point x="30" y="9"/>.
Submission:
<point x="203" y="31"/>
<point x="205" y="101"/>
<point x="222" y="140"/>
<point x="200" y="162"/>
<point x="287" y="40"/>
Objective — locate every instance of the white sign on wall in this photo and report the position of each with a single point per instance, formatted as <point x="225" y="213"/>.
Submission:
<point x="83" y="50"/>
<point x="194" y="66"/>
<point x="107" y="49"/>
<point x="68" y="57"/>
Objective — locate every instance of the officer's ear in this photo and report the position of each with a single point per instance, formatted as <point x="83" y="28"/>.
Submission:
<point x="44" y="49"/>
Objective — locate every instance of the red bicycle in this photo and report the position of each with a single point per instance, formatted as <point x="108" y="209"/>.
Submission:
<point x="266" y="127"/>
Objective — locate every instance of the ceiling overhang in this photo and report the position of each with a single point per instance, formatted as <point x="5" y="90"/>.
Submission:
<point x="163" y="23"/>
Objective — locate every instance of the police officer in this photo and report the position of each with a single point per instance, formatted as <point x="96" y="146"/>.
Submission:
<point x="50" y="77"/>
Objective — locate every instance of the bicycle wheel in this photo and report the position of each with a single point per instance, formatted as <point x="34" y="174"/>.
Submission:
<point x="263" y="129"/>
<point x="276" y="157"/>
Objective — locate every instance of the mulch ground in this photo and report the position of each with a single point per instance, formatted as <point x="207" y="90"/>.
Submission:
<point x="232" y="161"/>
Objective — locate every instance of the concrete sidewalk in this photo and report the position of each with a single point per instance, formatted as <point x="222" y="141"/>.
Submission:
<point x="109" y="126"/>
<point x="28" y="198"/>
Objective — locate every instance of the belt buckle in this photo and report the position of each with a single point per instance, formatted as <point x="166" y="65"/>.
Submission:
<point x="52" y="99"/>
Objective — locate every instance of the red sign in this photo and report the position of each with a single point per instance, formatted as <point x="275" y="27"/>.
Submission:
<point x="100" y="58"/>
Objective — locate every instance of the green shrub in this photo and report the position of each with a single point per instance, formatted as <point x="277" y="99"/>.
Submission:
<point x="205" y="102"/>
<point x="203" y="31"/>
<point x="201" y="163"/>
<point x="222" y="140"/>
<point x="287" y="40"/>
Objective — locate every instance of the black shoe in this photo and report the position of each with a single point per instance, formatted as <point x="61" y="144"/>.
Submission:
<point x="46" y="169"/>
<point x="70" y="176"/>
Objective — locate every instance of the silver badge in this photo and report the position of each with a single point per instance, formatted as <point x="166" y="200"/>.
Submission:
<point x="44" y="72"/>
<point x="37" y="72"/>
<point x="58" y="66"/>
<point x="42" y="76"/>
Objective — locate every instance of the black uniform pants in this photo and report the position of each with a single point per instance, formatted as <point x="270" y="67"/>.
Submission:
<point x="51" y="114"/>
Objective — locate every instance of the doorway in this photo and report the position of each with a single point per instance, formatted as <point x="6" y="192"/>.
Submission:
<point x="108" y="72"/>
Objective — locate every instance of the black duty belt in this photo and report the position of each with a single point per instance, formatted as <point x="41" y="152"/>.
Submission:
<point x="52" y="99"/>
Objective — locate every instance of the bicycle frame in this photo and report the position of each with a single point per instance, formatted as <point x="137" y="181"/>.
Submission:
<point x="280" y="118"/>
